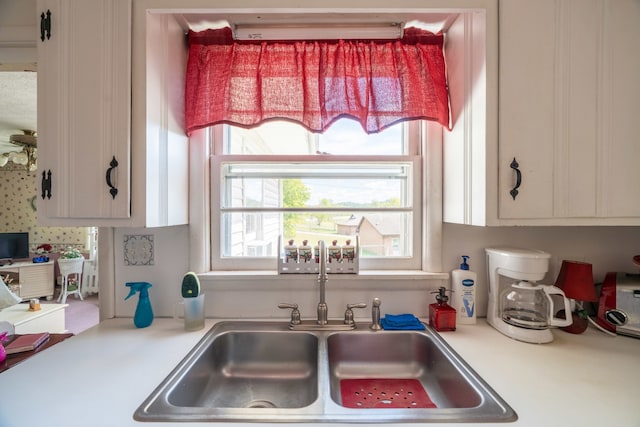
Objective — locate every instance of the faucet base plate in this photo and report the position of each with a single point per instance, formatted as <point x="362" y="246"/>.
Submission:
<point x="313" y="325"/>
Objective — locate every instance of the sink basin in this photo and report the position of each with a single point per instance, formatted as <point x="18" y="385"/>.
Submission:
<point x="251" y="370"/>
<point x="394" y="358"/>
<point x="263" y="372"/>
<point x="240" y="371"/>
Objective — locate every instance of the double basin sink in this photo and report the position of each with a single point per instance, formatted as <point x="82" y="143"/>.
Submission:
<point x="263" y="372"/>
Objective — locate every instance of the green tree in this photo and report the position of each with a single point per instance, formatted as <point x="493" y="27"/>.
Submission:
<point x="393" y="202"/>
<point x="322" y="217"/>
<point x="294" y="195"/>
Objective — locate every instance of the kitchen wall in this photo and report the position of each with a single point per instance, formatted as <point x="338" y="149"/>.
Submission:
<point x="607" y="248"/>
<point x="159" y="256"/>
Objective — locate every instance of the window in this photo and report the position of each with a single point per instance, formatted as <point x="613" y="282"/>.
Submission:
<point x="280" y="180"/>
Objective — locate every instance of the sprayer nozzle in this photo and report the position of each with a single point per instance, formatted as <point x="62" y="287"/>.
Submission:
<point x="137" y="287"/>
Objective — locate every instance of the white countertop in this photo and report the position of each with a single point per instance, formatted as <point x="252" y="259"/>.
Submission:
<point x="101" y="376"/>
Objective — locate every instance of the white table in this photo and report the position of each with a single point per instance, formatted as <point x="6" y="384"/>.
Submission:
<point x="50" y="318"/>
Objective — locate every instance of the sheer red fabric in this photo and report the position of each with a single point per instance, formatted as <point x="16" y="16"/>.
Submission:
<point x="378" y="83"/>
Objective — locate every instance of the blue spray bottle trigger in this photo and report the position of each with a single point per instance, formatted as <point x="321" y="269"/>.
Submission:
<point x="144" y="313"/>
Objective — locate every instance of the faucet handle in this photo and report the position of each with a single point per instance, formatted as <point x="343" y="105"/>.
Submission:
<point x="295" y="313"/>
<point x="348" y="314"/>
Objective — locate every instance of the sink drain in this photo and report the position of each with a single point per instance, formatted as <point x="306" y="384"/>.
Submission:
<point x="260" y="404"/>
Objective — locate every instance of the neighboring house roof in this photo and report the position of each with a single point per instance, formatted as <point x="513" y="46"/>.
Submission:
<point x="385" y="224"/>
<point x="352" y="221"/>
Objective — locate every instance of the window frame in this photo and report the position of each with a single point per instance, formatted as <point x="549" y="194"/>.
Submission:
<point x="418" y="131"/>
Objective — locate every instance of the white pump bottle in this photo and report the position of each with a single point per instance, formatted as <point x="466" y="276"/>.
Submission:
<point x="463" y="285"/>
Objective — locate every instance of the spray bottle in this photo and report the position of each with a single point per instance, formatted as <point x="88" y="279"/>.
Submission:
<point x="144" y="313"/>
<point x="463" y="284"/>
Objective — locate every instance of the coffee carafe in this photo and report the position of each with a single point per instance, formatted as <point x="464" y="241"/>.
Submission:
<point x="523" y="309"/>
<point x="529" y="305"/>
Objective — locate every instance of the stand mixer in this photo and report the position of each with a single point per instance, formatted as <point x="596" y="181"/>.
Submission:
<point x="523" y="310"/>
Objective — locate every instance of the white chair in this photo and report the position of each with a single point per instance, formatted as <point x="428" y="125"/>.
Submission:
<point x="90" y="273"/>
<point x="70" y="270"/>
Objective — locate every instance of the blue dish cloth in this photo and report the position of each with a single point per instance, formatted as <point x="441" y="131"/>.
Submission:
<point x="401" y="322"/>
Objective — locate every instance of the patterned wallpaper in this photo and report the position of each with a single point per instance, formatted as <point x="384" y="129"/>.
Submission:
<point x="18" y="187"/>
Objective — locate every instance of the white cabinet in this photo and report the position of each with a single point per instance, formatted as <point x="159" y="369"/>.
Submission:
<point x="569" y="99"/>
<point x="100" y="164"/>
<point x="568" y="105"/>
<point x="84" y="102"/>
<point x="619" y="145"/>
<point x="35" y="279"/>
<point x="526" y="108"/>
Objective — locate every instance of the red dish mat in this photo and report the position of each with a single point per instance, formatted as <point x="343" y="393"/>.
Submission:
<point x="384" y="393"/>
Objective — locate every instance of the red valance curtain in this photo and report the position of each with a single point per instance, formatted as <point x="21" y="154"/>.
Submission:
<point x="378" y="83"/>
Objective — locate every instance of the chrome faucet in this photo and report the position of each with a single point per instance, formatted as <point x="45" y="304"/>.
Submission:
<point x="322" y="281"/>
<point x="322" y="322"/>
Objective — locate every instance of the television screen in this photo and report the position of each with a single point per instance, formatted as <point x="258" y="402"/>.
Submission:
<point x="14" y="245"/>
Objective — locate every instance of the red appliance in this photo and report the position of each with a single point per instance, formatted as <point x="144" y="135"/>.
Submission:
<point x="619" y="306"/>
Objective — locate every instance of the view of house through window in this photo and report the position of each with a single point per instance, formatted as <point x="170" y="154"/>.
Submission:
<point x="279" y="180"/>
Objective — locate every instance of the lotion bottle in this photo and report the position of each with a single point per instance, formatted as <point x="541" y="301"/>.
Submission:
<point x="463" y="285"/>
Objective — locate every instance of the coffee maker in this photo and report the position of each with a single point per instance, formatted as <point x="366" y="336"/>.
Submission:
<point x="520" y="307"/>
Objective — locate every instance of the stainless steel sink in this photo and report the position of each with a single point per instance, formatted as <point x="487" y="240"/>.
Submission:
<point x="251" y="370"/>
<point x="263" y="372"/>
<point x="395" y="356"/>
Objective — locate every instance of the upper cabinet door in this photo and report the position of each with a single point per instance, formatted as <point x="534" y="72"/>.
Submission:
<point x="526" y="108"/>
<point x="84" y="110"/>
<point x="568" y="106"/>
<point x="619" y="148"/>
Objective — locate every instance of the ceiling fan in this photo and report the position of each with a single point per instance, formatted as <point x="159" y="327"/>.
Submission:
<point x="27" y="157"/>
<point x="28" y="139"/>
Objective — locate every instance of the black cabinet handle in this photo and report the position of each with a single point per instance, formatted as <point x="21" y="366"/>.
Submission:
<point x="46" y="185"/>
<point x="45" y="25"/>
<point x="49" y="183"/>
<point x="112" y="190"/>
<point x="514" y="165"/>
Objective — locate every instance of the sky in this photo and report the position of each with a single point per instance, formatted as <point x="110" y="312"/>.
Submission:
<point x="346" y="137"/>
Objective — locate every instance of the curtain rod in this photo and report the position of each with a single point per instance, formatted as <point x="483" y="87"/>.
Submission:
<point x="361" y="31"/>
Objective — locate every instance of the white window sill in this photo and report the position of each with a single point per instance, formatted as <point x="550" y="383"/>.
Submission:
<point x="372" y="279"/>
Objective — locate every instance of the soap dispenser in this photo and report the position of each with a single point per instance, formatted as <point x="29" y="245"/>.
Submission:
<point x="442" y="317"/>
